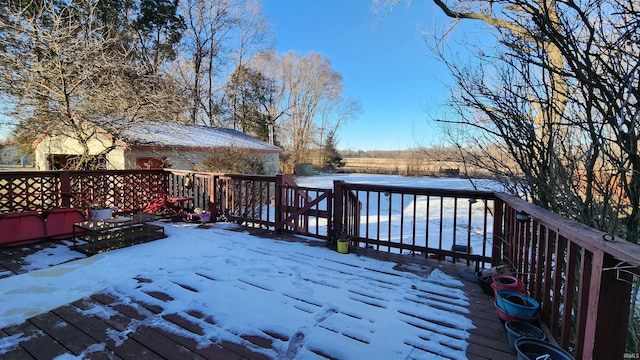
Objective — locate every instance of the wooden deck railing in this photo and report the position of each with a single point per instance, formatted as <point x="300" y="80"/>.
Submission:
<point x="43" y="190"/>
<point x="438" y="223"/>
<point x="580" y="276"/>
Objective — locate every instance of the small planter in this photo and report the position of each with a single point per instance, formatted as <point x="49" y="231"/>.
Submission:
<point x="528" y="348"/>
<point x="101" y="214"/>
<point x="507" y="282"/>
<point x="504" y="316"/>
<point x="516" y="303"/>
<point x="485" y="281"/>
<point x="517" y="329"/>
<point x="343" y="246"/>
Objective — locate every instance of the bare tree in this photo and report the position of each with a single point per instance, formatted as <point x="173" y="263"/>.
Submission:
<point x="553" y="111"/>
<point x="307" y="86"/>
<point x="306" y="89"/>
<point x="558" y="99"/>
<point x="335" y="114"/>
<point x="220" y="36"/>
<point x="203" y="47"/>
<point x="62" y="71"/>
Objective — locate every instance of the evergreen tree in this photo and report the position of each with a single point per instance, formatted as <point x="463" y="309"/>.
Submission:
<point x="249" y="97"/>
<point x="332" y="158"/>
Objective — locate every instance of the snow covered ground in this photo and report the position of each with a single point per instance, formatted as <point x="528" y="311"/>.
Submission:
<point x="346" y="306"/>
<point x="326" y="181"/>
<point x="419" y="220"/>
<point x="324" y="299"/>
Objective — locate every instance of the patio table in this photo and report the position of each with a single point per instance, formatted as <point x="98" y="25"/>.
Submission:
<point x="114" y="233"/>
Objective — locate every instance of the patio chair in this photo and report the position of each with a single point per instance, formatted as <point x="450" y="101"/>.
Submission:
<point x="161" y="207"/>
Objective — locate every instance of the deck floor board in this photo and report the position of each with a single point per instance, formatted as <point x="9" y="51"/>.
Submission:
<point x="103" y="320"/>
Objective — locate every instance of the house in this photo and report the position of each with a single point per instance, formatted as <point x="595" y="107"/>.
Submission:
<point x="8" y="153"/>
<point x="149" y="144"/>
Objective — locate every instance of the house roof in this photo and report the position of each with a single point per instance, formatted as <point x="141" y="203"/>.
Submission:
<point x="154" y="133"/>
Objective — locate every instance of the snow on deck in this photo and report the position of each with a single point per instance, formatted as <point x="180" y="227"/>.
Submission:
<point x="312" y="302"/>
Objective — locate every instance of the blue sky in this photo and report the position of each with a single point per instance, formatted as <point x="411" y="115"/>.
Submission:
<point x="384" y="61"/>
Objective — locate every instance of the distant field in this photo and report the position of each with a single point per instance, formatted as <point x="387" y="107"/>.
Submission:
<point x="403" y="166"/>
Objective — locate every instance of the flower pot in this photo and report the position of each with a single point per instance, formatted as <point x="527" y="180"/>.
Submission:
<point x="507" y="282"/>
<point x="343" y="246"/>
<point x="516" y="303"/>
<point x="517" y="329"/>
<point x="101" y="214"/>
<point x="485" y="281"/>
<point x="504" y="316"/>
<point x="528" y="348"/>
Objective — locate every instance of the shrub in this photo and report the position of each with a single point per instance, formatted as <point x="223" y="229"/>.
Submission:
<point x="235" y="160"/>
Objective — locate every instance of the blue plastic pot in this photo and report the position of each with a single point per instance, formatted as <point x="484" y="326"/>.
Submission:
<point x="516" y="303"/>
<point x="504" y="316"/>
<point x="517" y="329"/>
<point x="531" y="349"/>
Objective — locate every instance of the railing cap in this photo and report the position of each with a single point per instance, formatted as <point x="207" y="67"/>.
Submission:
<point x="590" y="238"/>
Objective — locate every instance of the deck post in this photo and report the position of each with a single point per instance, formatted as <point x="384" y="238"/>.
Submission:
<point x="212" y="189"/>
<point x="613" y="312"/>
<point x="338" y="210"/>
<point x="279" y="190"/>
<point x="330" y="220"/>
<point x="65" y="189"/>
<point x="498" y="232"/>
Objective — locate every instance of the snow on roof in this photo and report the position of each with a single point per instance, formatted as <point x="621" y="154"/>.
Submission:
<point x="154" y="133"/>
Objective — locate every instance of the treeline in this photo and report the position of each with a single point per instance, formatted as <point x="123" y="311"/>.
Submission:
<point x="431" y="153"/>
<point x="433" y="161"/>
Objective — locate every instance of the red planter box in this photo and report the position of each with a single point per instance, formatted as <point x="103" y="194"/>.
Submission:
<point x="29" y="227"/>
<point x="59" y="222"/>
<point x="21" y="228"/>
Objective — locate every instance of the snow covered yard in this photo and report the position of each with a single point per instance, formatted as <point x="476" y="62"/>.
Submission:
<point x="305" y="302"/>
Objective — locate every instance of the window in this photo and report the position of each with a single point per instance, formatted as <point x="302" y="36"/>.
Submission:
<point x="152" y="163"/>
<point x="70" y="162"/>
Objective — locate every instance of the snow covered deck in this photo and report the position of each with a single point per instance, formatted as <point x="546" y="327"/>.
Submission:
<point x="223" y="293"/>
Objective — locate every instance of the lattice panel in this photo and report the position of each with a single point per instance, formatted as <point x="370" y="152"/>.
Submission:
<point x="95" y="188"/>
<point x="125" y="190"/>
<point x="139" y="189"/>
<point x="29" y="192"/>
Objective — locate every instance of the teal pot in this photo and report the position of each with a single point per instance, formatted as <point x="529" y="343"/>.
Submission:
<point x="532" y="349"/>
<point x="504" y="316"/>
<point x="517" y="303"/>
<point x="517" y="329"/>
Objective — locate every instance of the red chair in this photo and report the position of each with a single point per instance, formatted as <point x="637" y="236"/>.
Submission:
<point x="161" y="207"/>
